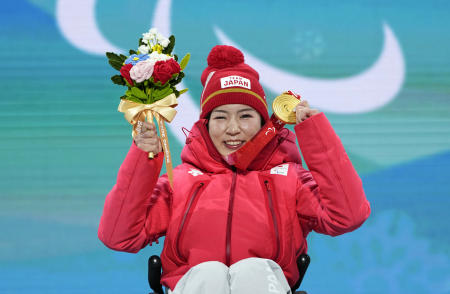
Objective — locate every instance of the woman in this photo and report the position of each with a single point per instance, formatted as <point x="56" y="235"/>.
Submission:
<point x="227" y="229"/>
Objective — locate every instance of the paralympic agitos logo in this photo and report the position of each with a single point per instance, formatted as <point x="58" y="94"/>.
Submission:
<point x="364" y="92"/>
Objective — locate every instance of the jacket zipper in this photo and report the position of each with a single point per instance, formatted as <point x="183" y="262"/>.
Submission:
<point x="183" y="221"/>
<point x="274" y="219"/>
<point x="229" y="219"/>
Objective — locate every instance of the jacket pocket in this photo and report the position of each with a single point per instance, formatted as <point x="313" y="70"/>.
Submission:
<point x="192" y="201"/>
<point x="273" y="216"/>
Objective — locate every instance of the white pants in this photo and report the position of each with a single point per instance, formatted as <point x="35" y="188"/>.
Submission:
<point x="251" y="275"/>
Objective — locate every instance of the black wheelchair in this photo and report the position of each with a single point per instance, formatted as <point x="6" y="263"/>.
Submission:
<point x="154" y="273"/>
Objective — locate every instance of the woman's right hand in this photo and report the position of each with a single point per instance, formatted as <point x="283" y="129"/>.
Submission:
<point x="148" y="139"/>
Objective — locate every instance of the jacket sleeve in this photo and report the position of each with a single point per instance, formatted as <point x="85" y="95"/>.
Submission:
<point x="330" y="198"/>
<point x="136" y="210"/>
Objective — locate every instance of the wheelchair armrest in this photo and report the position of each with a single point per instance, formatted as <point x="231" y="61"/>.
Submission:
<point x="302" y="264"/>
<point x="154" y="274"/>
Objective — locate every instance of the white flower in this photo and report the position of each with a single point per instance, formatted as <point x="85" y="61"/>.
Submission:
<point x="147" y="36"/>
<point x="143" y="49"/>
<point x="142" y="70"/>
<point x="155" y="56"/>
<point x="159" y="37"/>
<point x="164" y="42"/>
<point x="153" y="31"/>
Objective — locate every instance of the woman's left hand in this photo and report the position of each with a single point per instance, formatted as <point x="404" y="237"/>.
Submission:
<point x="302" y="111"/>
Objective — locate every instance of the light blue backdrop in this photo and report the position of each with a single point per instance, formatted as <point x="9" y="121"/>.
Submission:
<point x="62" y="139"/>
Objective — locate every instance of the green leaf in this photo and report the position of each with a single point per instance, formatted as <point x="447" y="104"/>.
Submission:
<point x="132" y="52"/>
<point x="148" y="91"/>
<point x="163" y="91"/>
<point x="178" y="79"/>
<point x="158" y="84"/>
<point x="119" y="80"/>
<point x="167" y="90"/>
<point x="129" y="95"/>
<point x="163" y="95"/>
<point x="140" y="42"/>
<point x="185" y="61"/>
<point x="123" y="57"/>
<point x="138" y="93"/>
<point x="116" y="59"/>
<point x="169" y="48"/>
<point x="113" y="56"/>
<point x="115" y="64"/>
<point x="158" y="94"/>
<point x="128" y="84"/>
<point x="178" y="93"/>
<point x="175" y="57"/>
<point x="134" y="99"/>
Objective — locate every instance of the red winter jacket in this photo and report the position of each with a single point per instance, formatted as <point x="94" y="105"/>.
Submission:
<point x="215" y="212"/>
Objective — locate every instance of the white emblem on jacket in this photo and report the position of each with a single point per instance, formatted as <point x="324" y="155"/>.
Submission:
<point x="272" y="129"/>
<point x="280" y="170"/>
<point x="195" y="172"/>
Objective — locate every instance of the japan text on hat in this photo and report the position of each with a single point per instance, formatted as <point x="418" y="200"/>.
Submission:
<point x="228" y="80"/>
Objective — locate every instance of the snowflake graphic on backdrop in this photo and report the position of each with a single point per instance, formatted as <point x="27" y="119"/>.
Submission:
<point x="308" y="45"/>
<point x="383" y="256"/>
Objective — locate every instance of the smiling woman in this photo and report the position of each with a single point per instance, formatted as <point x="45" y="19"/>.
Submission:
<point x="226" y="225"/>
<point x="232" y="125"/>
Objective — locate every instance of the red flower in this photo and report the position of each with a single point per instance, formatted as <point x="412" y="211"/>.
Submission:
<point x="164" y="70"/>
<point x="125" y="72"/>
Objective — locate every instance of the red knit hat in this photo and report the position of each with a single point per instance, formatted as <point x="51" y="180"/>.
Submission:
<point x="228" y="80"/>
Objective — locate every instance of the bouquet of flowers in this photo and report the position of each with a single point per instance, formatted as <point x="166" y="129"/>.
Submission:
<point x="150" y="74"/>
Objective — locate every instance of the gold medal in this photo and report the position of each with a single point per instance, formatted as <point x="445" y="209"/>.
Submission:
<point x="283" y="107"/>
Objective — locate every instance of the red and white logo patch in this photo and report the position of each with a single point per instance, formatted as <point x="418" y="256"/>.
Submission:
<point x="195" y="172"/>
<point x="235" y="81"/>
<point x="280" y="170"/>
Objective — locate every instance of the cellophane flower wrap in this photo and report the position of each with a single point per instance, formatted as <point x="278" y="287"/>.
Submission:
<point x="150" y="74"/>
